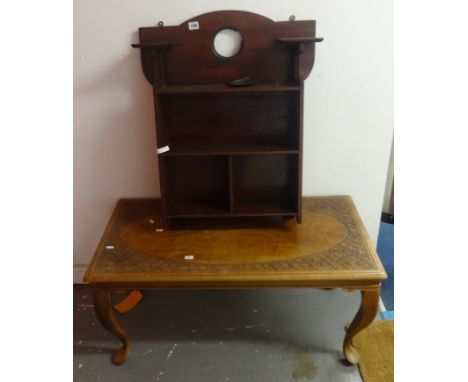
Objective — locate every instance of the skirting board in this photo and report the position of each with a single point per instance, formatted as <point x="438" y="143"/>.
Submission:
<point x="78" y="273"/>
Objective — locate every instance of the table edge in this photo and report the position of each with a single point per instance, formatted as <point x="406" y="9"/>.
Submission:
<point x="369" y="244"/>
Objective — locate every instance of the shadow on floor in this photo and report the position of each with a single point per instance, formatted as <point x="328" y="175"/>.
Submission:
<point x="220" y="335"/>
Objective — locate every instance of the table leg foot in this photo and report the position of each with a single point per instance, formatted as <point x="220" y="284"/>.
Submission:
<point x="121" y="355"/>
<point x="365" y="315"/>
<point x="105" y="314"/>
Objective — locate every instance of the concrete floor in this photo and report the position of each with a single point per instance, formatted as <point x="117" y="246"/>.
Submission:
<point x="220" y="335"/>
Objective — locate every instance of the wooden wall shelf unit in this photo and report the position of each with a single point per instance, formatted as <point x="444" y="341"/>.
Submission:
<point x="229" y="150"/>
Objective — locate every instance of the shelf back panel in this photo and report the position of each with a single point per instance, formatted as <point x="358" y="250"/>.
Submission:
<point x="213" y="120"/>
<point x="192" y="181"/>
<point x="269" y="180"/>
<point x="189" y="57"/>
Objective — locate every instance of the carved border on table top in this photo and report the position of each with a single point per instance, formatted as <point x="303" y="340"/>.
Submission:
<point x="352" y="253"/>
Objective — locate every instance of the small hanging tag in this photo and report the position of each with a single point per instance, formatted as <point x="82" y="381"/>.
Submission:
<point x="193" y="25"/>
<point x="162" y="150"/>
<point x="129" y="302"/>
<point x="188" y="257"/>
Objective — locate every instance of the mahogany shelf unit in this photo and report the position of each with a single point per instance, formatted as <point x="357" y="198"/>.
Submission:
<point x="229" y="150"/>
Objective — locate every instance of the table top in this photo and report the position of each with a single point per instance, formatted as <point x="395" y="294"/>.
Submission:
<point x="331" y="248"/>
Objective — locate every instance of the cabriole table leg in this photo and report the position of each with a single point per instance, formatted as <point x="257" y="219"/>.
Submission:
<point x="103" y="308"/>
<point x="365" y="315"/>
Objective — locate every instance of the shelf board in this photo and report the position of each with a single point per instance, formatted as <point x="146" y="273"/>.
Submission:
<point x="245" y="208"/>
<point x="196" y="209"/>
<point x="223" y="88"/>
<point x="299" y="40"/>
<point x="262" y="208"/>
<point x="150" y="45"/>
<point x="243" y="149"/>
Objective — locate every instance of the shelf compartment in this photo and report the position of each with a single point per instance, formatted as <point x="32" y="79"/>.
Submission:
<point x="223" y="88"/>
<point x="228" y="149"/>
<point x="196" y="186"/>
<point x="211" y="123"/>
<point x="265" y="185"/>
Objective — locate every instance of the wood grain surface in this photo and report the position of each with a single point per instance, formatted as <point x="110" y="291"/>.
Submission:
<point x="330" y="248"/>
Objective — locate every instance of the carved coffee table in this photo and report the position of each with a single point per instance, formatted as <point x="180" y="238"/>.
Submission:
<point x="330" y="249"/>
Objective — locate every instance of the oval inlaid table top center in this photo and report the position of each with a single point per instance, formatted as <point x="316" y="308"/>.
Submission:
<point x="238" y="245"/>
<point x="330" y="244"/>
